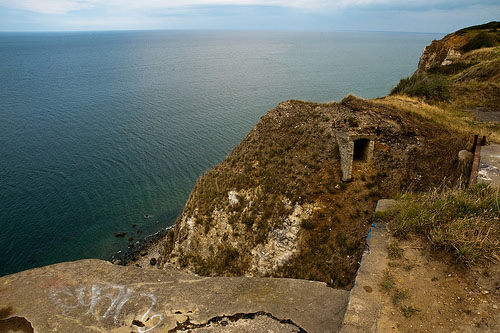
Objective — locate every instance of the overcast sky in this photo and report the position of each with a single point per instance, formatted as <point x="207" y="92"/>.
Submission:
<point x="315" y="15"/>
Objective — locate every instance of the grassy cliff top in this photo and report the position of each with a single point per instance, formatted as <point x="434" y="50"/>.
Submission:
<point x="462" y="69"/>
<point x="289" y="165"/>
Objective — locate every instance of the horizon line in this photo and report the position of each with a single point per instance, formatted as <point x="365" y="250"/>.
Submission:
<point x="215" y="29"/>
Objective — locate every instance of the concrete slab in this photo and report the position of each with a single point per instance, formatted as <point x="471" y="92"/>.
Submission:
<point x="384" y="204"/>
<point x="489" y="166"/>
<point x="96" y="296"/>
<point x="365" y="298"/>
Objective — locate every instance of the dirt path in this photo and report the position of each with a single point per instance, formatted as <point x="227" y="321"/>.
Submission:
<point x="426" y="293"/>
<point x="486" y="116"/>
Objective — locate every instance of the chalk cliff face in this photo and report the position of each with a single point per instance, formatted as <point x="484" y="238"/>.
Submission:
<point x="277" y="206"/>
<point x="442" y="52"/>
<point x="452" y="47"/>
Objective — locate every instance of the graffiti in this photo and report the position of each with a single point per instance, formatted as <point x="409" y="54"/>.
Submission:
<point x="103" y="302"/>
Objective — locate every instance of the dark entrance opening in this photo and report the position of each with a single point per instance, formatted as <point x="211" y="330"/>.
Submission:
<point x="361" y="150"/>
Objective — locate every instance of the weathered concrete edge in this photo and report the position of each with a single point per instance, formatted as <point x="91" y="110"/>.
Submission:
<point x="363" y="308"/>
<point x="72" y="297"/>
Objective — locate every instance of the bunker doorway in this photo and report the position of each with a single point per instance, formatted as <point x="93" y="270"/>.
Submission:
<point x="361" y="150"/>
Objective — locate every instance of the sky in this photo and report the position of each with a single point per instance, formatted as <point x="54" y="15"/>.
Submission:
<point x="306" y="15"/>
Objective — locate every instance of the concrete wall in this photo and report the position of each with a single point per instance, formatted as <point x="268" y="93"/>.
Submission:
<point x="346" y="141"/>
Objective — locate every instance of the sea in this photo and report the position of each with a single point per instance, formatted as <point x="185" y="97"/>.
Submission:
<point x="107" y="132"/>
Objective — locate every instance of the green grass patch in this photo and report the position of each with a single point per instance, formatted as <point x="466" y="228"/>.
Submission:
<point x="394" y="251"/>
<point x="480" y="40"/>
<point x="430" y="87"/>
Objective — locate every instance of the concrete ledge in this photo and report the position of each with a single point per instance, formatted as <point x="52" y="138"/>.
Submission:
<point x="96" y="296"/>
<point x="363" y="309"/>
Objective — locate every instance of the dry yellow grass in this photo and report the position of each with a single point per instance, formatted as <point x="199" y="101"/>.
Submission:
<point x="444" y="114"/>
<point x="465" y="222"/>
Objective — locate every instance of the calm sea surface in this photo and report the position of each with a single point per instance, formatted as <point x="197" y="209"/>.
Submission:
<point x="98" y="129"/>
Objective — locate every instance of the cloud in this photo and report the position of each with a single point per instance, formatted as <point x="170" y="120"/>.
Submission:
<point x="47" y="6"/>
<point x="65" y="6"/>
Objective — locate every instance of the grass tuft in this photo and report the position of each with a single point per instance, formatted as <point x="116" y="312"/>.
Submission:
<point x="409" y="311"/>
<point x="394" y="251"/>
<point x="399" y="296"/>
<point x="387" y="282"/>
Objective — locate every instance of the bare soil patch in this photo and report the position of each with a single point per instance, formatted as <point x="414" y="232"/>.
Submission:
<point x="428" y="292"/>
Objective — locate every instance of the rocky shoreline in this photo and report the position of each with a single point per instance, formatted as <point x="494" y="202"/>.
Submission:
<point x="140" y="248"/>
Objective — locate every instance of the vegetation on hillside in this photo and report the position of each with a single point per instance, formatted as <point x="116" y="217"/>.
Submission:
<point x="469" y="81"/>
<point x="465" y="222"/>
<point x="444" y="114"/>
<point x="462" y="221"/>
<point x="482" y="39"/>
<point x="494" y="26"/>
<point x="292" y="156"/>
<point x="430" y="87"/>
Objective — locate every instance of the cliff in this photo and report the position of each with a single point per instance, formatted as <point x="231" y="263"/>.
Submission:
<point x="462" y="70"/>
<point x="449" y="50"/>
<point x="276" y="206"/>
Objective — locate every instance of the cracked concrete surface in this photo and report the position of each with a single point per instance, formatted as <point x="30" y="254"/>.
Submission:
<point x="96" y="296"/>
<point x="242" y="322"/>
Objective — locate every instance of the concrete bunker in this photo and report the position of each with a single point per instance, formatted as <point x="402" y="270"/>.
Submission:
<point x="354" y="148"/>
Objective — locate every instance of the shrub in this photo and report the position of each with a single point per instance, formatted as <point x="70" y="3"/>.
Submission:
<point x="308" y="225"/>
<point x="394" y="251"/>
<point x="227" y="258"/>
<point x="431" y="87"/>
<point x="353" y="122"/>
<point x="482" y="39"/>
<point x="399" y="296"/>
<point x="450" y="69"/>
<point x="248" y="221"/>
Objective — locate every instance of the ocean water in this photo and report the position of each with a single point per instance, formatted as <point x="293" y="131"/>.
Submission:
<point x="98" y="129"/>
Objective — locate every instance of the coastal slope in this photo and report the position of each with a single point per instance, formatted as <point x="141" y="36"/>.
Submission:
<point x="276" y="206"/>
